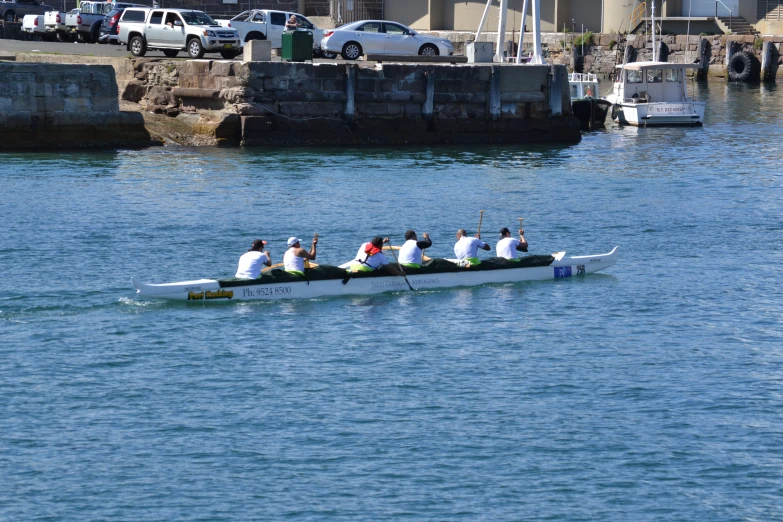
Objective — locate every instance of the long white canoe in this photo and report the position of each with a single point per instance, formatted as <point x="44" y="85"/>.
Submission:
<point x="258" y="289"/>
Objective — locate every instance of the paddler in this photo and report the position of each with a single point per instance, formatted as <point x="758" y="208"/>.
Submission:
<point x="295" y="256"/>
<point x="370" y="258"/>
<point x="250" y="262"/>
<point x="466" y="248"/>
<point x="410" y="251"/>
<point x="508" y="246"/>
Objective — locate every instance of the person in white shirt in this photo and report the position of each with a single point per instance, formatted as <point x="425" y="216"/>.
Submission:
<point x="466" y="248"/>
<point x="508" y="246"/>
<point x="410" y="254"/>
<point x="295" y="256"/>
<point x="250" y="262"/>
<point x="370" y="258"/>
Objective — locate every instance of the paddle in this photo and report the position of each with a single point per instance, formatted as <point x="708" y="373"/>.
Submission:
<point x="481" y="218"/>
<point x="520" y="222"/>
<point x="402" y="270"/>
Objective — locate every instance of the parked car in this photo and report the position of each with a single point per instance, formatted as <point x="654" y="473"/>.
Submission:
<point x="54" y="21"/>
<point x="108" y="31"/>
<point x="266" y="24"/>
<point x="87" y="23"/>
<point x="382" y="37"/>
<point x="34" y="24"/>
<point x="175" y="30"/>
<point x="10" y="11"/>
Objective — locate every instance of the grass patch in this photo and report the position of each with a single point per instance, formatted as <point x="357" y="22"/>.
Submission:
<point x="585" y="39"/>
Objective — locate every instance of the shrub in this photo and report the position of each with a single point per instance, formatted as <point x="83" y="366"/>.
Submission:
<point x="586" y="39"/>
<point x="758" y="44"/>
<point x="612" y="45"/>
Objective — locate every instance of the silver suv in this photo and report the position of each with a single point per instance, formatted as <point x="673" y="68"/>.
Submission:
<point x="175" y="30"/>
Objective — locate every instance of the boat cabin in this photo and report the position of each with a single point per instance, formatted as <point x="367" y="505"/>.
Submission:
<point x="583" y="85"/>
<point x="646" y="82"/>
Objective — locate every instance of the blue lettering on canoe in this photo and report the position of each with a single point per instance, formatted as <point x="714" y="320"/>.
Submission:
<point x="562" y="271"/>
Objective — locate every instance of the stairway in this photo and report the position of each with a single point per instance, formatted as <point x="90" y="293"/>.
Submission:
<point x="735" y="25"/>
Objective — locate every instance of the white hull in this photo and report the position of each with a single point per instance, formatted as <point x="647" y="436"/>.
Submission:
<point x="210" y="289"/>
<point x="660" y="114"/>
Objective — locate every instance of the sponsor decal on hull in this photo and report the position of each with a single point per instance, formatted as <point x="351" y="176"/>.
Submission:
<point x="562" y="271"/>
<point x="219" y="294"/>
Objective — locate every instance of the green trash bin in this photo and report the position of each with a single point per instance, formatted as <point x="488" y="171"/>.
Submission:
<point x="297" y="46"/>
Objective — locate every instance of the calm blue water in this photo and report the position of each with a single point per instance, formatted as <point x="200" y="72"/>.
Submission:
<point x="653" y="391"/>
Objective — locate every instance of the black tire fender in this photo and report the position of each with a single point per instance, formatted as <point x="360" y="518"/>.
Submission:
<point x="741" y="67"/>
<point x="615" y="111"/>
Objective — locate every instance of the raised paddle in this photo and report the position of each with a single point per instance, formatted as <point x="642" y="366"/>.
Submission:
<point x="481" y="218"/>
<point x="520" y="223"/>
<point x="401" y="269"/>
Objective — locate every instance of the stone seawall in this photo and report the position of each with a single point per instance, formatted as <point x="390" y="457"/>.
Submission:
<point x="204" y="102"/>
<point x="604" y="52"/>
<point x="64" y="106"/>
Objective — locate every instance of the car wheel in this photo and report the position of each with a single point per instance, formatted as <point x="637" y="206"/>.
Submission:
<point x="83" y="38"/>
<point x="229" y="55"/>
<point x="255" y="36"/>
<point x="137" y="46"/>
<point x="352" y="51"/>
<point x="329" y="55"/>
<point x="9" y="16"/>
<point x="195" y="49"/>
<point x="96" y="34"/>
<point x="170" y="53"/>
<point x="428" y="50"/>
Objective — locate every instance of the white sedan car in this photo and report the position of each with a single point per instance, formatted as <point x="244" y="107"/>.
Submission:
<point x="381" y="37"/>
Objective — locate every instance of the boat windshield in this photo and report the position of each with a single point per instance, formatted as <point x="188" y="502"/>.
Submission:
<point x="654" y="75"/>
<point x="635" y="76"/>
<point x="672" y="75"/>
<point x="197" y="18"/>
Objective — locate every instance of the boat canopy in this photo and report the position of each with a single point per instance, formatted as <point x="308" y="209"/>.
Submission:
<point x="641" y="66"/>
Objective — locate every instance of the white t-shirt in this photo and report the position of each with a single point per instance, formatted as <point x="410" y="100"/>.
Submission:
<point x="374" y="262"/>
<point x="250" y="264"/>
<point x="292" y="261"/>
<point x="467" y="247"/>
<point x="409" y="253"/>
<point x="507" y="247"/>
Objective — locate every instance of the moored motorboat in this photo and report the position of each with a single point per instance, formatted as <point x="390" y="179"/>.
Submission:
<point x="586" y="104"/>
<point x="335" y="281"/>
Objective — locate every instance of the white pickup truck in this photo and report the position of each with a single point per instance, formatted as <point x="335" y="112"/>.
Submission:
<point x="34" y="24"/>
<point x="265" y="24"/>
<point x="54" y="21"/>
<point x="86" y="24"/>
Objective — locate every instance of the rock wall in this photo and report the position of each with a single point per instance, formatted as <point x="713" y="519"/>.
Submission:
<point x="64" y="106"/>
<point x="267" y="103"/>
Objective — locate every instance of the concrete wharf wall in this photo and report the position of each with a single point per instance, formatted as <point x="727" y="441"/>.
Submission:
<point x="64" y="106"/>
<point x="205" y="102"/>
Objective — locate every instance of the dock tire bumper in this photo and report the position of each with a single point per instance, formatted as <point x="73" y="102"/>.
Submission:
<point x="742" y="67"/>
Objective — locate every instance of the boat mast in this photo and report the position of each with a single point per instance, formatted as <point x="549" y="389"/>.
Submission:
<point x="652" y="20"/>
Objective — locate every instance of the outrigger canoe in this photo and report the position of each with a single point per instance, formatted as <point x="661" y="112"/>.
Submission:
<point x="328" y="280"/>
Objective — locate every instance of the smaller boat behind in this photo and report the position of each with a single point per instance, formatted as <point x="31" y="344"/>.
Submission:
<point x="586" y="104"/>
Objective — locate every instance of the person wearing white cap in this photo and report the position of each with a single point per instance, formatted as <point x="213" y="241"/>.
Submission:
<point x="251" y="261"/>
<point x="295" y="256"/>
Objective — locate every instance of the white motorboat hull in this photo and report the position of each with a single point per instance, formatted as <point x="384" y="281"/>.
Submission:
<point x="211" y="290"/>
<point x="658" y="114"/>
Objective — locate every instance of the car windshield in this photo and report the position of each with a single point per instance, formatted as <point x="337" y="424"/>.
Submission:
<point x="197" y="18"/>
